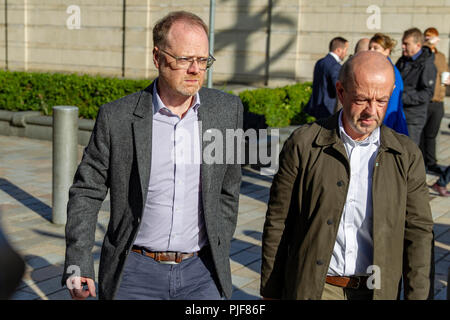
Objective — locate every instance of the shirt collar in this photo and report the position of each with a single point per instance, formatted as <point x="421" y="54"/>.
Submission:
<point x="335" y="56"/>
<point x="373" y="138"/>
<point x="414" y="57"/>
<point x="158" y="104"/>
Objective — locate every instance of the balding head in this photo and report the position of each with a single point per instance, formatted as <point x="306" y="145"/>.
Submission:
<point x="362" y="45"/>
<point x="366" y="82"/>
<point x="365" y="63"/>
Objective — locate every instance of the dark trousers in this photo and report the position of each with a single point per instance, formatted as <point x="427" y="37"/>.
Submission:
<point x="416" y="117"/>
<point x="444" y="178"/>
<point x="430" y="131"/>
<point x="146" y="279"/>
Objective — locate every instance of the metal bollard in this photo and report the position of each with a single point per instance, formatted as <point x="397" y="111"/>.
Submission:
<point x="65" y="157"/>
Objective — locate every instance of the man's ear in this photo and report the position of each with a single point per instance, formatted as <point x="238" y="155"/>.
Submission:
<point x="340" y="91"/>
<point x="156" y="57"/>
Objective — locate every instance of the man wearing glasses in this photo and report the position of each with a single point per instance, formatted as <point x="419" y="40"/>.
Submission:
<point x="172" y="216"/>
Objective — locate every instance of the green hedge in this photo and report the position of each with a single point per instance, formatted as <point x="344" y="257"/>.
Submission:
<point x="281" y="106"/>
<point x="23" y="91"/>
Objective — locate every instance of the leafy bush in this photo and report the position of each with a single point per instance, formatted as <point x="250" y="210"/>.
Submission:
<point x="24" y="91"/>
<point x="280" y="106"/>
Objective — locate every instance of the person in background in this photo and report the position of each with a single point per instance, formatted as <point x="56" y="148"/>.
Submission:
<point x="12" y="268"/>
<point x="419" y="75"/>
<point x="362" y="45"/>
<point x="323" y="102"/>
<point x="435" y="111"/>
<point x="395" y="117"/>
<point x="441" y="184"/>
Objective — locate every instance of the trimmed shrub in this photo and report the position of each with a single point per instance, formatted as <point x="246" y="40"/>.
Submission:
<point x="24" y="91"/>
<point x="281" y="107"/>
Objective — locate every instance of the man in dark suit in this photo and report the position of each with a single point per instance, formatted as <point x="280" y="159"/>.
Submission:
<point x="323" y="102"/>
<point x="172" y="217"/>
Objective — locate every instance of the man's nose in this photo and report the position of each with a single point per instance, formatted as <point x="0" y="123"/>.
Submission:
<point x="372" y="107"/>
<point x="194" y="67"/>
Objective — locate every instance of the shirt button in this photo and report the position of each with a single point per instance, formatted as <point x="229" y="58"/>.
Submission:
<point x="340" y="183"/>
<point x="329" y="222"/>
<point x="319" y="262"/>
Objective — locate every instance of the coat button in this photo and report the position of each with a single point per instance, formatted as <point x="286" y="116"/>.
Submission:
<point x="319" y="262"/>
<point x="340" y="183"/>
<point x="329" y="222"/>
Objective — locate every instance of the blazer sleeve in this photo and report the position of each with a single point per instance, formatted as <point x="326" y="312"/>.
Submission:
<point x="334" y="76"/>
<point x="86" y="195"/>
<point x="418" y="232"/>
<point x="229" y="195"/>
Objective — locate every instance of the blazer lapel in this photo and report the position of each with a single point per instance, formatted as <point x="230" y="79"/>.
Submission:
<point x="206" y="170"/>
<point x="142" y="137"/>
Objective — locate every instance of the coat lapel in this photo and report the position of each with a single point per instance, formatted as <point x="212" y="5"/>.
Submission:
<point x="142" y="137"/>
<point x="329" y="136"/>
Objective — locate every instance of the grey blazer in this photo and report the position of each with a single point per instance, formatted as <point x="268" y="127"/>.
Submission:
<point x="118" y="158"/>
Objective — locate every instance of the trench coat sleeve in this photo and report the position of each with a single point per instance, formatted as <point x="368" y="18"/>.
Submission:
<point x="418" y="232"/>
<point x="85" y="198"/>
<point x="274" y="248"/>
<point x="229" y="195"/>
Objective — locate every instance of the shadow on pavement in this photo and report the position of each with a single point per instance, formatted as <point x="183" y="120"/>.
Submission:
<point x="26" y="199"/>
<point x="255" y="191"/>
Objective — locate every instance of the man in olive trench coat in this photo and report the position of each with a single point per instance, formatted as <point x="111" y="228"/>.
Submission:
<point x="310" y="193"/>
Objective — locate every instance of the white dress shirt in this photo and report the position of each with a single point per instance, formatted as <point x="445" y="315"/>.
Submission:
<point x="353" y="249"/>
<point x="173" y="214"/>
<point x="334" y="55"/>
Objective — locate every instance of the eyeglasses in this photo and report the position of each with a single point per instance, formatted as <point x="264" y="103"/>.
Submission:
<point x="186" y="62"/>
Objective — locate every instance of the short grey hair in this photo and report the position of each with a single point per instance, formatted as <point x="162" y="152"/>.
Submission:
<point x="162" y="27"/>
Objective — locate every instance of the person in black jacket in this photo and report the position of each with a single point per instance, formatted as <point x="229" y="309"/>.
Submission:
<point x="419" y="75"/>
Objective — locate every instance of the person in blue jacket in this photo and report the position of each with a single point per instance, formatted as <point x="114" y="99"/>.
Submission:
<point x="395" y="117"/>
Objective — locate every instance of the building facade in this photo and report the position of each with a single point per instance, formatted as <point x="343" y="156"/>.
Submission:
<point x="258" y="42"/>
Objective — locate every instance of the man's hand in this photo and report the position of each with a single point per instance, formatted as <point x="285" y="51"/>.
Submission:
<point x="75" y="285"/>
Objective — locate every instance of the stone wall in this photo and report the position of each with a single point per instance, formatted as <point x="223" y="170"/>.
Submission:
<point x="257" y="41"/>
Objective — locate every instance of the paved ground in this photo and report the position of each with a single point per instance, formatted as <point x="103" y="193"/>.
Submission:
<point x="25" y="216"/>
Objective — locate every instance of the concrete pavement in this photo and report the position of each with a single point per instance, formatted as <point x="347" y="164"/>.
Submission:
<point x="25" y="217"/>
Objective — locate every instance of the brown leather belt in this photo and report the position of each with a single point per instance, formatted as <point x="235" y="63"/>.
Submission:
<point x="167" y="257"/>
<point x="354" y="282"/>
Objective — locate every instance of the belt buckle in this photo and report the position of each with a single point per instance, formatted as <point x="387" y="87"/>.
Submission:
<point x="167" y="262"/>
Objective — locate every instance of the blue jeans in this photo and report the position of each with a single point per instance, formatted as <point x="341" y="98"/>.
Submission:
<point x="146" y="279"/>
